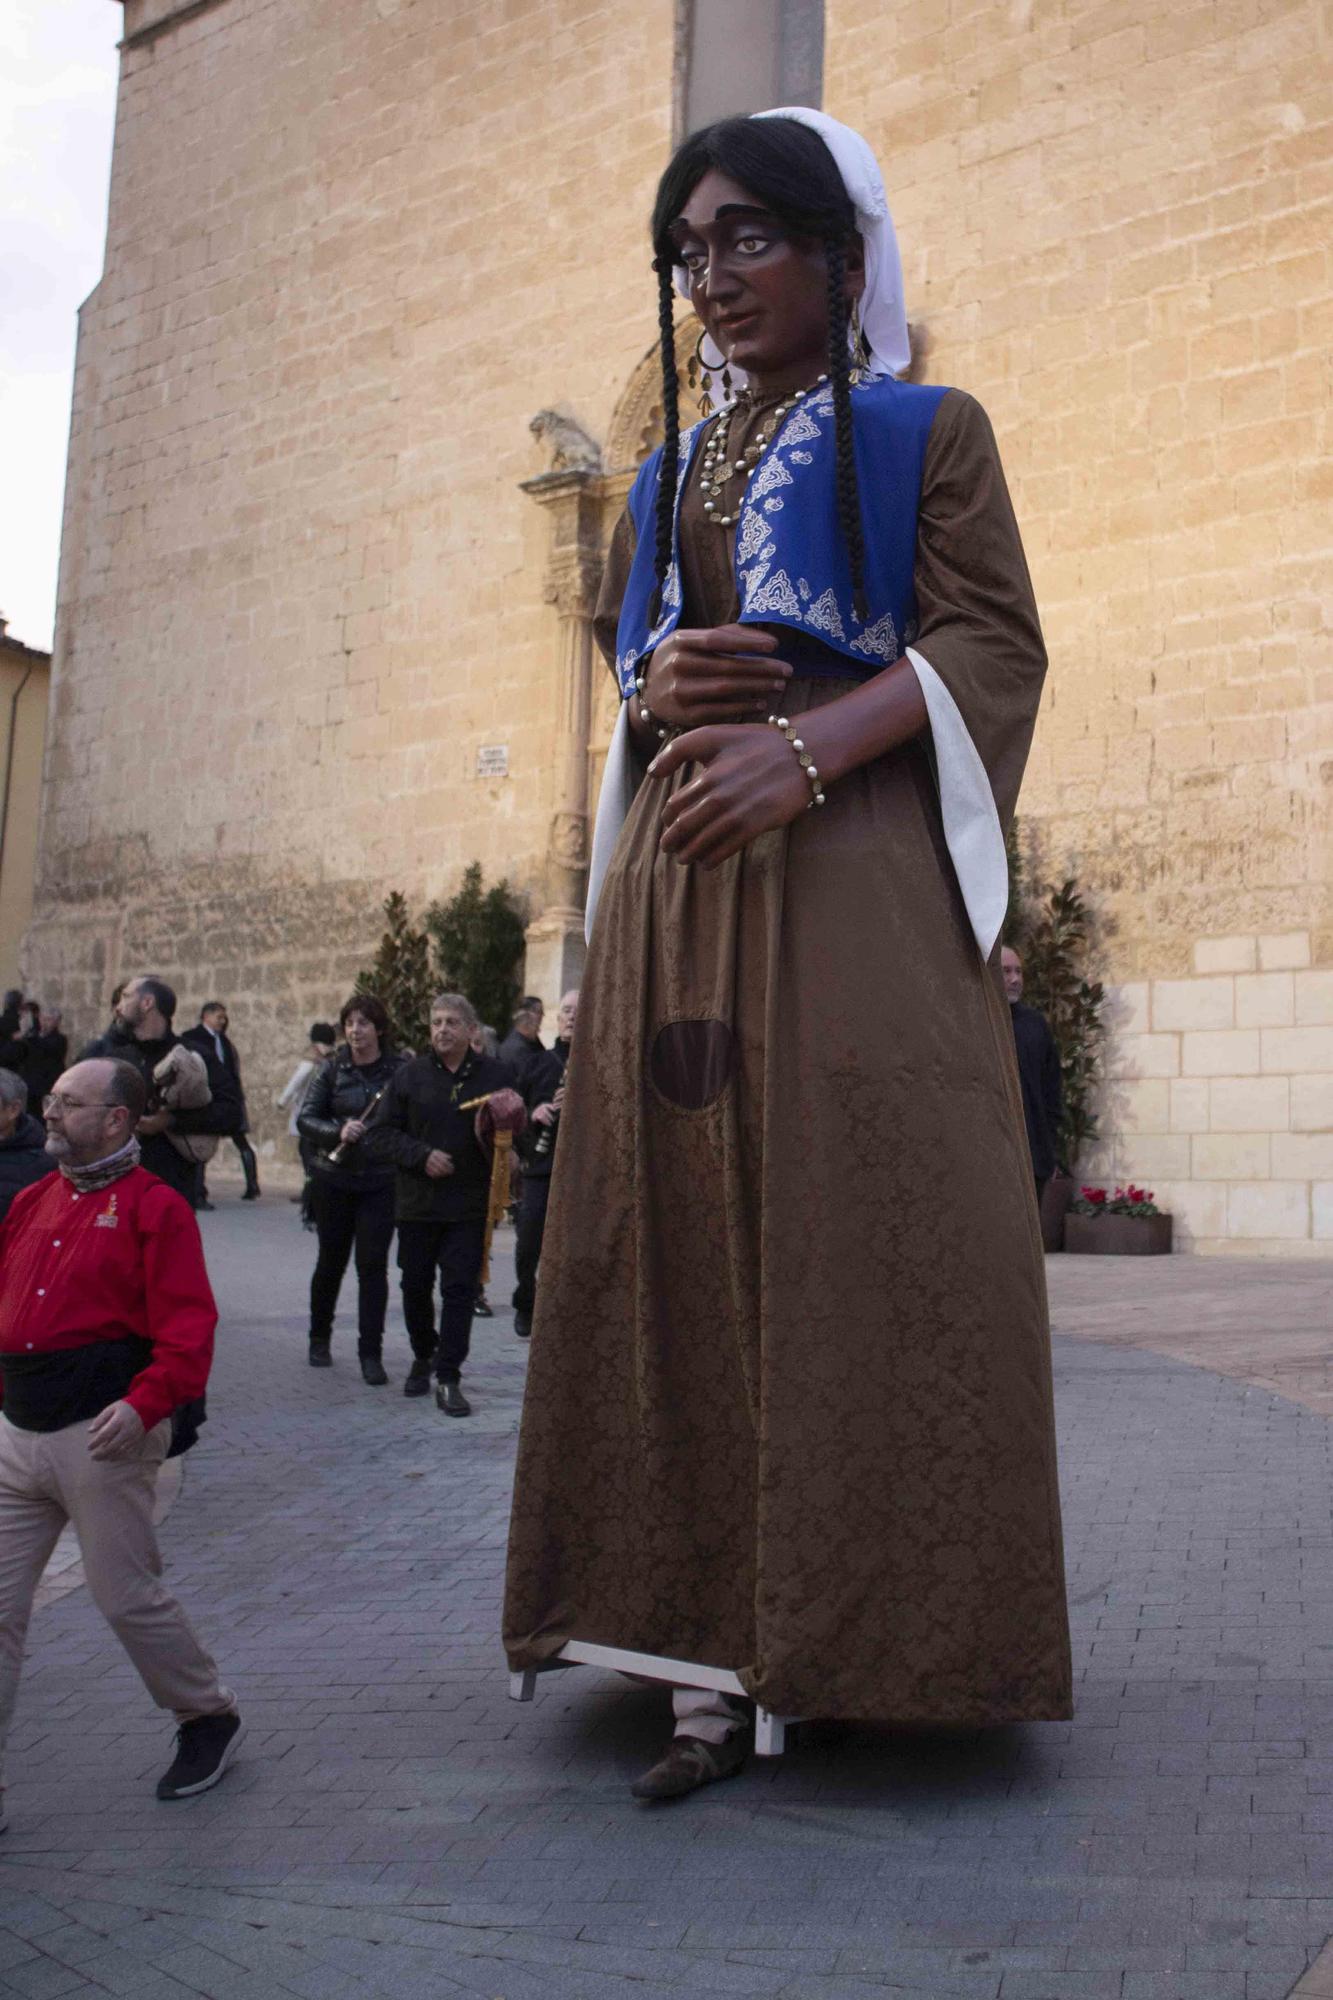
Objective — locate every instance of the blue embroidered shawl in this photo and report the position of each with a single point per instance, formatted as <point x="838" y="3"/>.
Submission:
<point x="791" y="565"/>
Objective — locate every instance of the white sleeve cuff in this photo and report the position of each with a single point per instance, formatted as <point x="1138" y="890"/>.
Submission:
<point x="613" y="804"/>
<point x="967" y="806"/>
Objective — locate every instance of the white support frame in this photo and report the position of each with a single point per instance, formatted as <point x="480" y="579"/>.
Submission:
<point x="770" y="1731"/>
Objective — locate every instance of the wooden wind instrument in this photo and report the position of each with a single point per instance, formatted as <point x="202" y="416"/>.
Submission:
<point x="343" y="1144"/>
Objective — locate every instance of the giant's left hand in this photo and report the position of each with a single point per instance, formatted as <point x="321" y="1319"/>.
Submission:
<point x="749" y="782"/>
<point x="116" y="1432"/>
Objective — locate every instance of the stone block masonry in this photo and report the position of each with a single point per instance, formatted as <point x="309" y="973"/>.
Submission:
<point x="352" y="250"/>
<point x="1222" y="1102"/>
<point x="1116" y="229"/>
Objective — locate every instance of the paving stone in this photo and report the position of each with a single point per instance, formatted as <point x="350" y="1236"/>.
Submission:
<point x="396" y="1826"/>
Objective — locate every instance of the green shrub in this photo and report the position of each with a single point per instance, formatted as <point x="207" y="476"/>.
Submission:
<point x="1051" y="930"/>
<point x="402" y="977"/>
<point x="479" y="945"/>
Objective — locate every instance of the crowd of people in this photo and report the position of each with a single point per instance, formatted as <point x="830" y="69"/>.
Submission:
<point x="385" y="1149"/>
<point x="397" y="1143"/>
<point x="107" y="1316"/>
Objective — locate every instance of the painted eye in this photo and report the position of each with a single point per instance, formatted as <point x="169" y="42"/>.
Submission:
<point x="751" y="245"/>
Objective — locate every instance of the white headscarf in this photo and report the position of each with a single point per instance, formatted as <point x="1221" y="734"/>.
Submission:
<point x="883" y="312"/>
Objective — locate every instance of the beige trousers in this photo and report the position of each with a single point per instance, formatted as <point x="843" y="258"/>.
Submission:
<point x="711" y="1717"/>
<point x="50" y="1477"/>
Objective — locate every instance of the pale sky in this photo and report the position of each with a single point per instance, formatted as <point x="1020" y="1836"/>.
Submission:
<point x="58" y="69"/>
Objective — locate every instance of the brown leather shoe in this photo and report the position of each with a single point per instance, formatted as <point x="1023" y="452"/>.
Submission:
<point x="689" y="1763"/>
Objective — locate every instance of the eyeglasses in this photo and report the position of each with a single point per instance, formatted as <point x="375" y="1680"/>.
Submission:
<point x="53" y="1101"/>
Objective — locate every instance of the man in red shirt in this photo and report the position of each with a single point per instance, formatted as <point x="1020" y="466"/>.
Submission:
<point x="106" y="1327"/>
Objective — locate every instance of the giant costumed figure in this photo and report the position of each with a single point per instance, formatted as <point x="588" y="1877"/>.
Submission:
<point x="785" y="1419"/>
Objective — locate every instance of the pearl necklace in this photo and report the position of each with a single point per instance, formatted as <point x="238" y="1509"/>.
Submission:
<point x="718" y="469"/>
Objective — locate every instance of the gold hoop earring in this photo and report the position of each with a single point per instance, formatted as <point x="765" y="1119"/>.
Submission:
<point x="699" y="374"/>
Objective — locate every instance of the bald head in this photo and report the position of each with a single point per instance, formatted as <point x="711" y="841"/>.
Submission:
<point x="93" y="1110"/>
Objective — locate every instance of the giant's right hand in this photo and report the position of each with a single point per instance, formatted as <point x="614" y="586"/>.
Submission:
<point x="730" y="673"/>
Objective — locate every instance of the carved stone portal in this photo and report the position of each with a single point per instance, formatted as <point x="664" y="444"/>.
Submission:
<point x="583" y="491"/>
<point x="636" y="428"/>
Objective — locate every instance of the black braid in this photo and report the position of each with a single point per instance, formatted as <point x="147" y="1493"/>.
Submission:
<point x="839" y="366"/>
<point x="666" y="490"/>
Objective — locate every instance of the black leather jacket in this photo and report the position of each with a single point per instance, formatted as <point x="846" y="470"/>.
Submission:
<point x="341" y="1089"/>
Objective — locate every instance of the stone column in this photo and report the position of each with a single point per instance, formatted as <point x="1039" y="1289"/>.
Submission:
<point x="571" y="495"/>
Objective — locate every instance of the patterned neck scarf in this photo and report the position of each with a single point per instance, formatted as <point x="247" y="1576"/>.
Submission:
<point x="101" y="1173"/>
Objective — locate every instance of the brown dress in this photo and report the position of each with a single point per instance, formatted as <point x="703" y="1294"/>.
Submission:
<point x="789" y="1401"/>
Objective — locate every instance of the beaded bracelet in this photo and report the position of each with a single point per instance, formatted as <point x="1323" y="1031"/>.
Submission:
<point x="646" y="715"/>
<point x="808" y="764"/>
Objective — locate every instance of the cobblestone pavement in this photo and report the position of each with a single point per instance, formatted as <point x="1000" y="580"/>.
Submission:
<point x="397" y="1827"/>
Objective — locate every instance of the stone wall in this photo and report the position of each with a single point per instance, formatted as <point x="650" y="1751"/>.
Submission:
<point x="1221" y="1095"/>
<point x="1116" y="230"/>
<point x="353" y="248"/>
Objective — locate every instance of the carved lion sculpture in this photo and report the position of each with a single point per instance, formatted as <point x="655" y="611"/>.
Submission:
<point x="571" y="449"/>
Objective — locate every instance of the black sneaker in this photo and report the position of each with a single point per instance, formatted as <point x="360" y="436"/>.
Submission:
<point x="372" y="1371"/>
<point x="204" y="1748"/>
<point x="522" y="1324"/>
<point x="320" y="1356"/>
<point x="418" y="1379"/>
<point x="482" y="1307"/>
<point x="450" y="1398"/>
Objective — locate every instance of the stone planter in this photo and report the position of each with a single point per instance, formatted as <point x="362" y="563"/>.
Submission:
<point x="1118" y="1235"/>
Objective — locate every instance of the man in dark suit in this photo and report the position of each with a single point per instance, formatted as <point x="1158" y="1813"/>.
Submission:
<point x="141" y="1033"/>
<point x="1038" y="1072"/>
<point x="211" y="1040"/>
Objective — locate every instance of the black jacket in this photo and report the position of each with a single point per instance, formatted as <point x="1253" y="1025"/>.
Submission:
<point x="523" y="1057"/>
<point x="157" y="1152"/>
<point x="539" y="1141"/>
<point x="341" y="1089"/>
<point x="224" y="1076"/>
<point x="13" y="1042"/>
<point x="46" y="1057"/>
<point x="1039" y="1078"/>
<point x="420" y="1116"/>
<point x="23" y="1159"/>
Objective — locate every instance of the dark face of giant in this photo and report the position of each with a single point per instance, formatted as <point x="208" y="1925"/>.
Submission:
<point x="760" y="289"/>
